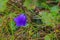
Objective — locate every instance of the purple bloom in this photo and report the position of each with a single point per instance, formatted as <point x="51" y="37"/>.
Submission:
<point x="21" y="20"/>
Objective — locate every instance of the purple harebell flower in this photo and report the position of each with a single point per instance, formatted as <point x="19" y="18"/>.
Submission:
<point x="21" y="20"/>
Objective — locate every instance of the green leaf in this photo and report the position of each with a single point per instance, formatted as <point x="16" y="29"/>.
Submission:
<point x="3" y="5"/>
<point x="49" y="19"/>
<point x="12" y="25"/>
<point x="12" y="37"/>
<point x="47" y="37"/>
<point x="51" y="36"/>
<point x="44" y="5"/>
<point x="37" y="3"/>
<point x="46" y="18"/>
<point x="27" y="3"/>
<point x="54" y="9"/>
<point x="57" y="0"/>
<point x="0" y="20"/>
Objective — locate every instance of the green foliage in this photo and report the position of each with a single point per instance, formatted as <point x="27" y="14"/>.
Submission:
<point x="50" y="18"/>
<point x="27" y="3"/>
<point x="12" y="37"/>
<point x="46" y="18"/>
<point x="33" y="30"/>
<point x="51" y="36"/>
<point x="57" y="0"/>
<point x="12" y="23"/>
<point x="54" y="9"/>
<point x="0" y="21"/>
<point x="3" y="5"/>
<point x="44" y="5"/>
<point x="35" y="3"/>
<point x="47" y="37"/>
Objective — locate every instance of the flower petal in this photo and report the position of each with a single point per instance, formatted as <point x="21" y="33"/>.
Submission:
<point x="21" y="20"/>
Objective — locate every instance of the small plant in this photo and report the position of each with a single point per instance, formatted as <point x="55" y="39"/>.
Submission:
<point x="51" y="36"/>
<point x="50" y="19"/>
